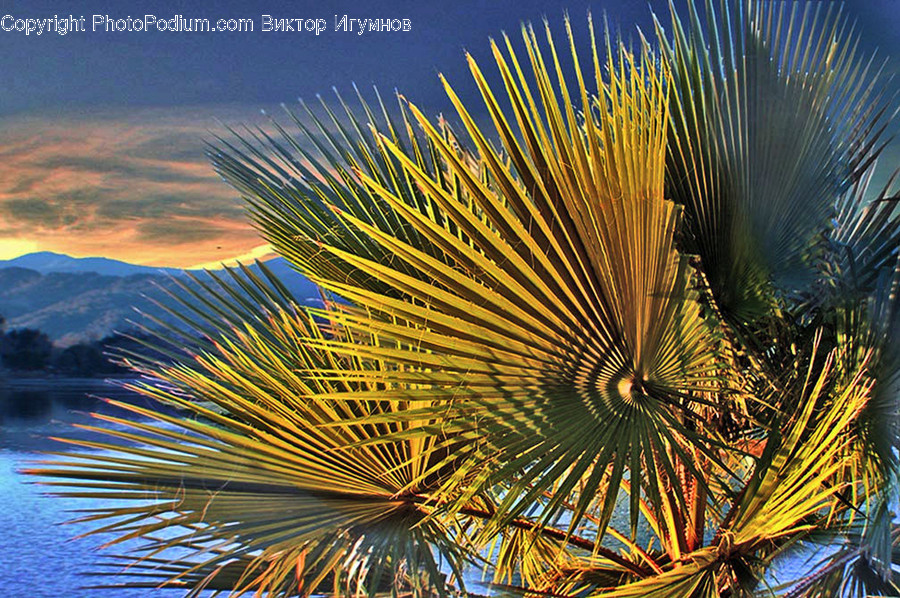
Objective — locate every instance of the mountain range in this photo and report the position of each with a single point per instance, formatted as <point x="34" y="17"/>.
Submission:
<point x="82" y="299"/>
<point x="47" y="262"/>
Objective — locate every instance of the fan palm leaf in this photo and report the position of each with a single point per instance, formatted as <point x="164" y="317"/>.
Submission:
<point x="774" y="117"/>
<point x="249" y="472"/>
<point x="572" y="353"/>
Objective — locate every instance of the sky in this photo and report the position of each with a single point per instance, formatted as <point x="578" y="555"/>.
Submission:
<point x="102" y="132"/>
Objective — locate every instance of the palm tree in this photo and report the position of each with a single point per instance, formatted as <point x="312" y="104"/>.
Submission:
<point x="631" y="342"/>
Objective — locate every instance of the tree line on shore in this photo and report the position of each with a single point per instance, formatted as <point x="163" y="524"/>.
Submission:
<point x="28" y="350"/>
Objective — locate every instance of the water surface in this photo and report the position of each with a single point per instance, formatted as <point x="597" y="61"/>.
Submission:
<point x="40" y="558"/>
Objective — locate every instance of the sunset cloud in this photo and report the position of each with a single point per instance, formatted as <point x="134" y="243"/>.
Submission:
<point x="135" y="187"/>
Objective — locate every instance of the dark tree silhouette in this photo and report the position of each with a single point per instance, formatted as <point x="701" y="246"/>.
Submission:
<point x="26" y="349"/>
<point x="83" y="359"/>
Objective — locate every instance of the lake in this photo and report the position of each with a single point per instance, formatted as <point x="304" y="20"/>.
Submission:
<point x="39" y="556"/>
<point x="40" y="559"/>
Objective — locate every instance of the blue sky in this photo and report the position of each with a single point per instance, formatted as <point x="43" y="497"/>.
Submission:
<point x="166" y="69"/>
<point x="101" y="132"/>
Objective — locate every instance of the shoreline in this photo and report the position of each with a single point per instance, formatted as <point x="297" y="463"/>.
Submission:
<point x="16" y="379"/>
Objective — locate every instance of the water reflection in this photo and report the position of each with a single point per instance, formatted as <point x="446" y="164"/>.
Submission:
<point x="24" y="404"/>
<point x="40" y="557"/>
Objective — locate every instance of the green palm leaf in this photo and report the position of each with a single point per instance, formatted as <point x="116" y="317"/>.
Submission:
<point x="290" y="182"/>
<point x="775" y="116"/>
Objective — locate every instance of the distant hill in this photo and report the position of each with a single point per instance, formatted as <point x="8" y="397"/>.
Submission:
<point x="47" y="262"/>
<point x="78" y="303"/>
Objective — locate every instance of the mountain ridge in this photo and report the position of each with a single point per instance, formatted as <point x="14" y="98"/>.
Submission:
<point x="47" y="262"/>
<point x="76" y="303"/>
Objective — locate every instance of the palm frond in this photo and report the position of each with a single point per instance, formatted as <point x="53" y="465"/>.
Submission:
<point x="775" y="116"/>
<point x="290" y="182"/>
<point x="251" y="473"/>
<point x="565" y="355"/>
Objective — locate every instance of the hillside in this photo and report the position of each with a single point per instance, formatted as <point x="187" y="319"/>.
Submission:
<point x="81" y="304"/>
<point x="47" y="262"/>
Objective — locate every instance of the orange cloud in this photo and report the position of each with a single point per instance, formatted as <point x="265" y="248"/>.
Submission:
<point x="133" y="187"/>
